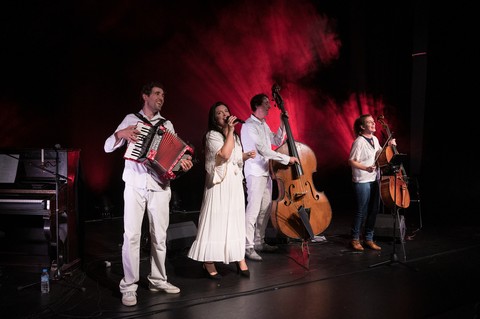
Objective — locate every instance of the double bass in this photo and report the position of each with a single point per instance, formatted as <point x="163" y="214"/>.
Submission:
<point x="300" y="211"/>
<point x="393" y="184"/>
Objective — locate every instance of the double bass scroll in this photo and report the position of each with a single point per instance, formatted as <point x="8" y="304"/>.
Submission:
<point x="300" y="211"/>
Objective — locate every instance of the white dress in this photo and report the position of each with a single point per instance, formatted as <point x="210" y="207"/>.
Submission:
<point x="221" y="224"/>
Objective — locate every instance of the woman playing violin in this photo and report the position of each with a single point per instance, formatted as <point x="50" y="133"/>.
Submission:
<point x="365" y="180"/>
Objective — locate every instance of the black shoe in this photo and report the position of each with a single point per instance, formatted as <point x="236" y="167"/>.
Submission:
<point x="215" y="275"/>
<point x="266" y="248"/>
<point x="244" y="273"/>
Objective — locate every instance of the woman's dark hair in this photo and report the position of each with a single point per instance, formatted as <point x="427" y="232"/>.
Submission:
<point x="257" y="100"/>
<point x="212" y="122"/>
<point x="359" y="122"/>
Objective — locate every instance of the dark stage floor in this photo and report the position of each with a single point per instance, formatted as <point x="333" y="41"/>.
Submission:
<point x="437" y="276"/>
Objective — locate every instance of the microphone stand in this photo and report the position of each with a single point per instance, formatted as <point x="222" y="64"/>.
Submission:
<point x="57" y="264"/>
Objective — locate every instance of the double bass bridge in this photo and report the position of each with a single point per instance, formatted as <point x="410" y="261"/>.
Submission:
<point x="298" y="195"/>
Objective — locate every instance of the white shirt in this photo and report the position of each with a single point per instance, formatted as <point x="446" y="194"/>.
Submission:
<point x="134" y="173"/>
<point x="364" y="153"/>
<point x="256" y="134"/>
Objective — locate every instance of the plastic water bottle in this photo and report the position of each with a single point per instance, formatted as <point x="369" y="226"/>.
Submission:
<point x="45" y="281"/>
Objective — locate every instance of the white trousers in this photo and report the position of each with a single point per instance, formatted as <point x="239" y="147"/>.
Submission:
<point x="257" y="213"/>
<point x="156" y="204"/>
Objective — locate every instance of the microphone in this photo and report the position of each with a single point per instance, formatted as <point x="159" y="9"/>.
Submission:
<point x="236" y="121"/>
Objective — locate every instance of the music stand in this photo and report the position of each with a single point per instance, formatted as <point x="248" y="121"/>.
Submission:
<point x="392" y="170"/>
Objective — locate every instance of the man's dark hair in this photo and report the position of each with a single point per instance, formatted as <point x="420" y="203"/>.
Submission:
<point x="257" y="100"/>
<point x="147" y="88"/>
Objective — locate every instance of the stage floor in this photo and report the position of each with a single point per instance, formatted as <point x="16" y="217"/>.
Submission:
<point x="433" y="273"/>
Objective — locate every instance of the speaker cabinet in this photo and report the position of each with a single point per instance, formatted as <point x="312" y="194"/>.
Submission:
<point x="385" y="223"/>
<point x="181" y="235"/>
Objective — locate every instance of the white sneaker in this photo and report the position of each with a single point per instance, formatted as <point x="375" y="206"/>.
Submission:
<point x="129" y="298"/>
<point x="318" y="239"/>
<point x="250" y="253"/>
<point x="164" y="286"/>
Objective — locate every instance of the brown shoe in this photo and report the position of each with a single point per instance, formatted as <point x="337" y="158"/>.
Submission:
<point x="356" y="245"/>
<point x="372" y="245"/>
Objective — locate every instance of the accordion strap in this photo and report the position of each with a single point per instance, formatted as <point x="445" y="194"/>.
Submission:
<point x="144" y="119"/>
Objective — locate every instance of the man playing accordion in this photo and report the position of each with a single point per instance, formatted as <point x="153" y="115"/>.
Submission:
<point x="145" y="190"/>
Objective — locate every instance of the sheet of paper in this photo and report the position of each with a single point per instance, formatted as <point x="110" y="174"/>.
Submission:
<point x="8" y="167"/>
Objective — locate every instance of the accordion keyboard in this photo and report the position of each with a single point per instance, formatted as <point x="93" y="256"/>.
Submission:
<point x="138" y="151"/>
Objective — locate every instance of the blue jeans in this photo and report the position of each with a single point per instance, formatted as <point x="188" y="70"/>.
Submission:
<point x="367" y="197"/>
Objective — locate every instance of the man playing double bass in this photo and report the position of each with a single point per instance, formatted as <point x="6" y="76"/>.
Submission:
<point x="365" y="180"/>
<point x="256" y="134"/>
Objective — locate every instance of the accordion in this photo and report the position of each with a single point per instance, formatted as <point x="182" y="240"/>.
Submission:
<point x="160" y="149"/>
